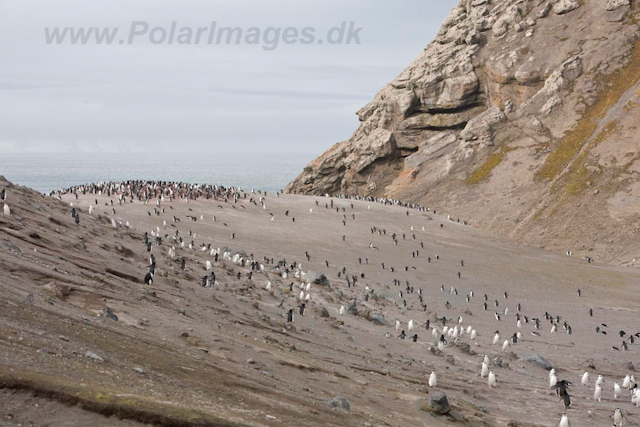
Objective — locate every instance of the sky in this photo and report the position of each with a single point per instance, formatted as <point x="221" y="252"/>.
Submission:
<point x="141" y="93"/>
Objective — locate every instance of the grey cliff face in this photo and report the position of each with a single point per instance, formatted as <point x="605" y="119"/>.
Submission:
<point x="517" y="109"/>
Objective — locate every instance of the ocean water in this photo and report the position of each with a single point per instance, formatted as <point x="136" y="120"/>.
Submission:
<point x="46" y="172"/>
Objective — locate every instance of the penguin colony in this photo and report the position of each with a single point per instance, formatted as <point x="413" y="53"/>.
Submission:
<point x="439" y="327"/>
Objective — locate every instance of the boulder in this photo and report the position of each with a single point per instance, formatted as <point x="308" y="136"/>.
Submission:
<point x="615" y="4"/>
<point x="437" y="404"/>
<point x="565" y="6"/>
<point x="352" y="309"/>
<point x="317" y="278"/>
<point x="481" y="126"/>
<point x="378" y="319"/>
<point x="538" y="360"/>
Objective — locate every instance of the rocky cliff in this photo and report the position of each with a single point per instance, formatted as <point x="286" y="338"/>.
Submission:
<point x="520" y="116"/>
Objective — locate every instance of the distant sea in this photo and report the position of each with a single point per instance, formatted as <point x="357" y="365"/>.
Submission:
<point x="46" y="172"/>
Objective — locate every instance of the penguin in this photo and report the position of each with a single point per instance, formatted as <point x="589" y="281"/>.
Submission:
<point x="617" y="417"/>
<point x="290" y="316"/>
<point x="566" y="400"/>
<point x="561" y="388"/>
<point x="597" y="394"/>
<point x="505" y="345"/>
<point x="148" y="278"/>
<point x="484" y="372"/>
<point x="496" y="338"/>
<point x="492" y="379"/>
<point x="599" y="381"/>
<point x="617" y="391"/>
<point x="410" y="326"/>
<point x="585" y="379"/>
<point x="415" y="338"/>
<point x="553" y="380"/>
<point x="564" y="422"/>
<point x="402" y="335"/>
<point x="397" y="325"/>
<point x="302" y="307"/>
<point x="342" y="310"/>
<point x="626" y="383"/>
<point x="433" y="379"/>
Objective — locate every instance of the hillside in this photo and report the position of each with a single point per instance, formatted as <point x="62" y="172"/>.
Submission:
<point x="521" y="116"/>
<point x="84" y="341"/>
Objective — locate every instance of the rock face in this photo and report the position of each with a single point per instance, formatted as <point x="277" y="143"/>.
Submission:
<point x="518" y="109"/>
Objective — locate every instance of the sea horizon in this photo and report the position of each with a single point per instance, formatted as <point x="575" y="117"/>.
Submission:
<point x="46" y="172"/>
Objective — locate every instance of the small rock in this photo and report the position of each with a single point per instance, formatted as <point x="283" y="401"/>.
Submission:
<point x="108" y="313"/>
<point x="93" y="356"/>
<point x="340" y="404"/>
<point x="28" y="300"/>
<point x="182" y="311"/>
<point x="139" y="370"/>
<point x="251" y="361"/>
<point x="498" y="362"/>
<point x="466" y="348"/>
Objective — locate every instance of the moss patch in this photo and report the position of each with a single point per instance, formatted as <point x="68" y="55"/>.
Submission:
<point x="580" y="176"/>
<point x="615" y="84"/>
<point x="484" y="171"/>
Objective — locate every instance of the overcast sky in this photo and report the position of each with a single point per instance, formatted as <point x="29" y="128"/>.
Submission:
<point x="144" y="96"/>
